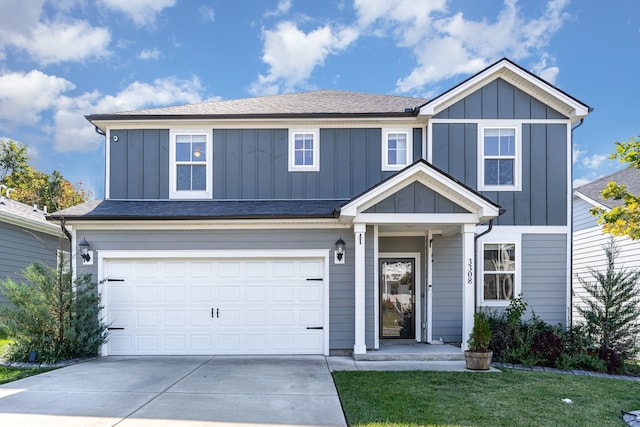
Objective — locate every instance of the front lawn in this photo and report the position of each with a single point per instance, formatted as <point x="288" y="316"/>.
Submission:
<point x="510" y="398"/>
<point x="12" y="374"/>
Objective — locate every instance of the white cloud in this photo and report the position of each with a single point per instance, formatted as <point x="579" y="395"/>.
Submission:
<point x="50" y="43"/>
<point x="446" y="44"/>
<point x="142" y="12"/>
<point x="281" y="9"/>
<point x="292" y="54"/>
<point x="577" y="153"/>
<point x="74" y="133"/>
<point x="207" y="14"/>
<point x="149" y="54"/>
<point x="595" y="161"/>
<point x="25" y="96"/>
<point x="578" y="182"/>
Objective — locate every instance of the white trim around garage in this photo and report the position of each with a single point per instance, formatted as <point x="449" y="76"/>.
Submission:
<point x="106" y="255"/>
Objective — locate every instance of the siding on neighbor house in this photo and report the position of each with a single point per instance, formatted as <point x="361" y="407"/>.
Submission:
<point x="19" y="248"/>
<point x="341" y="278"/>
<point x="447" y="288"/>
<point x="582" y="218"/>
<point x="416" y="198"/>
<point x="543" y="198"/>
<point x="253" y="164"/>
<point x="544" y="275"/>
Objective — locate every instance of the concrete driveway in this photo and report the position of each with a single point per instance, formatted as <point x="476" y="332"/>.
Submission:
<point x="177" y="391"/>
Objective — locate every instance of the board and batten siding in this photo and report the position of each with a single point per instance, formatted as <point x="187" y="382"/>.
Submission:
<point x="253" y="164"/>
<point x="341" y="278"/>
<point x="544" y="275"/>
<point x="416" y="198"/>
<point x="454" y="149"/>
<point x="20" y="247"/>
<point x="447" y="288"/>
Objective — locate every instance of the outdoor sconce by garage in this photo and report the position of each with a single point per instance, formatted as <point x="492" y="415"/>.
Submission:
<point x="339" y="252"/>
<point x="85" y="253"/>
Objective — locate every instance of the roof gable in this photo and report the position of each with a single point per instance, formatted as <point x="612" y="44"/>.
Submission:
<point x="416" y="198"/>
<point x="434" y="179"/>
<point x="518" y="77"/>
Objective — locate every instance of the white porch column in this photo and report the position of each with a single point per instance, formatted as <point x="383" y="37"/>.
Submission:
<point x="359" y="347"/>
<point x="468" y="281"/>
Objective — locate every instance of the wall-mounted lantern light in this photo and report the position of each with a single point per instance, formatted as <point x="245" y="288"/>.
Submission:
<point x="339" y="252"/>
<point x="85" y="253"/>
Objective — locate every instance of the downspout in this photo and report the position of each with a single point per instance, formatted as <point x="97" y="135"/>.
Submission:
<point x="99" y="131"/>
<point x="66" y="233"/>
<point x="570" y="296"/>
<point x="475" y="251"/>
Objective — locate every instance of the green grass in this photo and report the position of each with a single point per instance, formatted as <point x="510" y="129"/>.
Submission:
<point x="12" y="374"/>
<point x="510" y="398"/>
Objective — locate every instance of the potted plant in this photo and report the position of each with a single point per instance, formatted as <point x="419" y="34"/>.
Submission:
<point x="478" y="356"/>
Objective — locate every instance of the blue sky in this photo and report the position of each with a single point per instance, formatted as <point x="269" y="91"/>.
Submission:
<point x="63" y="59"/>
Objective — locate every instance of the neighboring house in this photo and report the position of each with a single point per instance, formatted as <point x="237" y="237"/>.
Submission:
<point x="588" y="238"/>
<point x="222" y="226"/>
<point x="26" y="237"/>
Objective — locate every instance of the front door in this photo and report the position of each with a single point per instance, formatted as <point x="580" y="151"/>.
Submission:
<point x="397" y="298"/>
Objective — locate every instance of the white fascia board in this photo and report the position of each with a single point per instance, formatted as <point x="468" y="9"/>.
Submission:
<point x="505" y="69"/>
<point x="417" y="218"/>
<point x="328" y="223"/>
<point x="431" y="179"/>
<point x="224" y="254"/>
<point x="31" y="225"/>
<point x="589" y="200"/>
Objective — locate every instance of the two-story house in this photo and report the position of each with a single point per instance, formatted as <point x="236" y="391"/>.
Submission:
<point x="314" y="222"/>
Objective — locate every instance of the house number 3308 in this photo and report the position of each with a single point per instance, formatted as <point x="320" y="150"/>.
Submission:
<point x="470" y="271"/>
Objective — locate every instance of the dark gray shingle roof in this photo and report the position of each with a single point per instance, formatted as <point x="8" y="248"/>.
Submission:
<point x="207" y="209"/>
<point x="630" y="177"/>
<point x="303" y="103"/>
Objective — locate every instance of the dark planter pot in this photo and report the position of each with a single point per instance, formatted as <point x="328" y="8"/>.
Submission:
<point x="478" y="360"/>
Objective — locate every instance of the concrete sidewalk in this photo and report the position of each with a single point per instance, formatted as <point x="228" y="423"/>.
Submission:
<point x="177" y="391"/>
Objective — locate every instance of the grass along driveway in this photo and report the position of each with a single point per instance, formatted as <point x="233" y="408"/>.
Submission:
<point x="12" y="374"/>
<point x="510" y="398"/>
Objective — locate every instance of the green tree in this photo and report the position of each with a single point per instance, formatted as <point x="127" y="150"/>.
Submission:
<point x="13" y="158"/>
<point x="52" y="315"/>
<point x="623" y="220"/>
<point x="612" y="305"/>
<point x="32" y="186"/>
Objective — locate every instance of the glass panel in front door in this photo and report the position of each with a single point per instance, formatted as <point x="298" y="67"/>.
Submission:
<point x="397" y="298"/>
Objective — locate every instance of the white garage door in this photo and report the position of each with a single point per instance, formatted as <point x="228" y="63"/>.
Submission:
<point x="206" y="306"/>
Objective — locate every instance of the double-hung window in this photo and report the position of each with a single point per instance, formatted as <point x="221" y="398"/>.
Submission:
<point x="397" y="149"/>
<point x="499" y="158"/>
<point x="190" y="172"/>
<point x="304" y="150"/>
<point x="499" y="275"/>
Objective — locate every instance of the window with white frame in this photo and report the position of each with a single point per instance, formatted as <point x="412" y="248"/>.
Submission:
<point x="499" y="158"/>
<point x="499" y="275"/>
<point x="304" y="150"/>
<point x="397" y="149"/>
<point x="190" y="172"/>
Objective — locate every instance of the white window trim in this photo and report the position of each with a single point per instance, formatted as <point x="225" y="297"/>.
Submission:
<point x="315" y="167"/>
<point x="173" y="192"/>
<point x="385" y="148"/>
<point x="517" y="164"/>
<point x="498" y="236"/>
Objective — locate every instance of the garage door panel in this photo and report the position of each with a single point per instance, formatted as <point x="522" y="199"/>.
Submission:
<point x="215" y="306"/>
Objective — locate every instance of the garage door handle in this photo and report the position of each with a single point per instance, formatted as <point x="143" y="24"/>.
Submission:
<point x="314" y="279"/>
<point x="217" y="312"/>
<point x="115" y="329"/>
<point x="315" y="327"/>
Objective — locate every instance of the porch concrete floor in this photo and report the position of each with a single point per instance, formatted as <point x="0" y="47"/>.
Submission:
<point x="413" y="352"/>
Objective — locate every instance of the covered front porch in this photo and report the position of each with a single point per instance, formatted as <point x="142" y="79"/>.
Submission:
<point x="414" y="267"/>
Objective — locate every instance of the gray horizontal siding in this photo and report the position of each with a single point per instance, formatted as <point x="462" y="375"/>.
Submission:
<point x="544" y="275"/>
<point x="19" y="248"/>
<point x="499" y="100"/>
<point x="447" y="288"/>
<point x="416" y="198"/>
<point x="341" y="276"/>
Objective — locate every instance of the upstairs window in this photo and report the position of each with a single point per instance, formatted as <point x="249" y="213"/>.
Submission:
<point x="499" y="159"/>
<point x="304" y="150"/>
<point x="191" y="165"/>
<point x="397" y="149"/>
